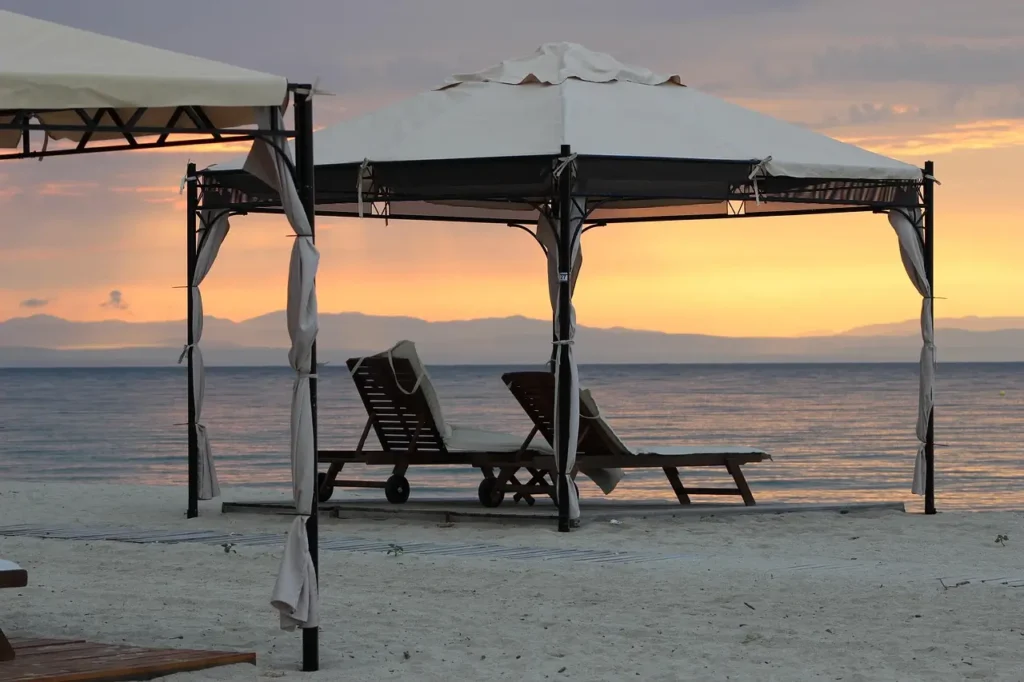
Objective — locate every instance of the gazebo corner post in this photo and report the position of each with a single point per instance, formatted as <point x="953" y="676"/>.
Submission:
<point x="929" y="264"/>
<point x="306" y="185"/>
<point x="563" y="378"/>
<point x="192" y="207"/>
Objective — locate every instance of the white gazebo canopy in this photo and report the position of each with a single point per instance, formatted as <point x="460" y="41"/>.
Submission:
<point x="51" y="70"/>
<point x="652" y="142"/>
<point x="597" y="106"/>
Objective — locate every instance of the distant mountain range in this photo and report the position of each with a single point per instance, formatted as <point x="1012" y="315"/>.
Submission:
<point x="46" y="341"/>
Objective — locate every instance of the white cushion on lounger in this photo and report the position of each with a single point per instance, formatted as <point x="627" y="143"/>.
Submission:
<point x="406" y="350"/>
<point x="587" y="402"/>
<point x="606" y="479"/>
<point x="669" y="450"/>
<point x="8" y="566"/>
<point x="466" y="439"/>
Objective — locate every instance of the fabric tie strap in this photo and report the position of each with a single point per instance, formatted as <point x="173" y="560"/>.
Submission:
<point x="311" y="90"/>
<point x="759" y="169"/>
<point x="363" y="167"/>
<point x="563" y="163"/>
<point x="184" y="351"/>
<point x="185" y="179"/>
<point x="394" y="373"/>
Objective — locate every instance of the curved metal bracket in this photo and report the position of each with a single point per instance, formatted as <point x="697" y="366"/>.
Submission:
<point x="204" y="230"/>
<point x="530" y="232"/>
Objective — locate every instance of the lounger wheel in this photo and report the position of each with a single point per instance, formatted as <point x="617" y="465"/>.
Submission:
<point x="324" y="487"/>
<point x="396" y="489"/>
<point x="489" y="494"/>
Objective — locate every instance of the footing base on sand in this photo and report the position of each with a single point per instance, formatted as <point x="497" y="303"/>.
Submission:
<point x="53" y="660"/>
<point x="448" y="510"/>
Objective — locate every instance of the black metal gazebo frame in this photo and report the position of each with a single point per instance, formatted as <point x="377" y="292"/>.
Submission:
<point x="509" y="191"/>
<point x="113" y="130"/>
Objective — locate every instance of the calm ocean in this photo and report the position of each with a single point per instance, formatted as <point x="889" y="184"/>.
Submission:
<point x="837" y="432"/>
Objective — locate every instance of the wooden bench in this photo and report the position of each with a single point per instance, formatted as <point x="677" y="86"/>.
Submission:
<point x="11" y="575"/>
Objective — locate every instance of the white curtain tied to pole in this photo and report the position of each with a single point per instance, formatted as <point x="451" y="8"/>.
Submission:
<point x="908" y="226"/>
<point x="214" y="229"/>
<point x="547" y="233"/>
<point x="563" y="347"/>
<point x="295" y="593"/>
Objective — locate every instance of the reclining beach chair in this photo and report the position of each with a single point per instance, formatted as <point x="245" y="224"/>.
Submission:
<point x="405" y="414"/>
<point x="11" y="575"/>
<point x="599" y="448"/>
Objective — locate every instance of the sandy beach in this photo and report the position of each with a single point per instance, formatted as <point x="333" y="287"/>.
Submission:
<point x="810" y="596"/>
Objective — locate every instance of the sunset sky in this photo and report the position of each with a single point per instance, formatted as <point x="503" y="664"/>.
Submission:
<point x="915" y="79"/>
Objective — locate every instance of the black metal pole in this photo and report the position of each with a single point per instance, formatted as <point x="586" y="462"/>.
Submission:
<point x="929" y="266"/>
<point x="304" y="169"/>
<point x="192" y="205"/>
<point x="563" y="395"/>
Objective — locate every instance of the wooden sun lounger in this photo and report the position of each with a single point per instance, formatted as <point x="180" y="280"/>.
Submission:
<point x="11" y="575"/>
<point x="408" y="436"/>
<point x="535" y="392"/>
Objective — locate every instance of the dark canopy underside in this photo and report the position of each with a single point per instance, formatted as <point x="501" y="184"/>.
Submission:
<point x="505" y="190"/>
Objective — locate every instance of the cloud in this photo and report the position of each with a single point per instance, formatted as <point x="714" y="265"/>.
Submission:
<point x="155" y="194"/>
<point x="959" y="117"/>
<point x="145" y="189"/>
<point x="869" y="114"/>
<point x="1009" y="106"/>
<point x="955" y="64"/>
<point x="988" y="134"/>
<point x="115" y="301"/>
<point x="66" y="189"/>
<point x="859" y="114"/>
<point x="35" y="303"/>
<point x="644" y="11"/>
<point x="951" y="73"/>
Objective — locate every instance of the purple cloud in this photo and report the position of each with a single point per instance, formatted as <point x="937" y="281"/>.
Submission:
<point x="115" y="300"/>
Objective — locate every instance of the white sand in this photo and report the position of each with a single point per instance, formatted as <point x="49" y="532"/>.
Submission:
<point x="868" y="607"/>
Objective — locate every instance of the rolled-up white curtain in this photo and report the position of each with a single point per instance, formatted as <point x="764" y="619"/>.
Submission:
<point x="563" y="347"/>
<point x="295" y="594"/>
<point x="606" y="479"/>
<point x="908" y="226"/>
<point x="214" y="229"/>
<point x="547" y="232"/>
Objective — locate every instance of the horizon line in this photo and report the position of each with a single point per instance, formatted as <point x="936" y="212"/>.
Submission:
<point x="751" y="363"/>
<point x="813" y="334"/>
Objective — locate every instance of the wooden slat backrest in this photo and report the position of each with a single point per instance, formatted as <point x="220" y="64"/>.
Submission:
<point x="399" y="420"/>
<point x="535" y="392"/>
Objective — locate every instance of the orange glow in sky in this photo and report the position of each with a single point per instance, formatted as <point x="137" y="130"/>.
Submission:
<point x="768" y="276"/>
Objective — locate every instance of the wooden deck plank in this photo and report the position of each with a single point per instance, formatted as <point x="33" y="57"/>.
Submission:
<point x="47" y="660"/>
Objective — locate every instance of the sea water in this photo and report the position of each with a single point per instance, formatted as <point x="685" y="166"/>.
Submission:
<point x="838" y="433"/>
